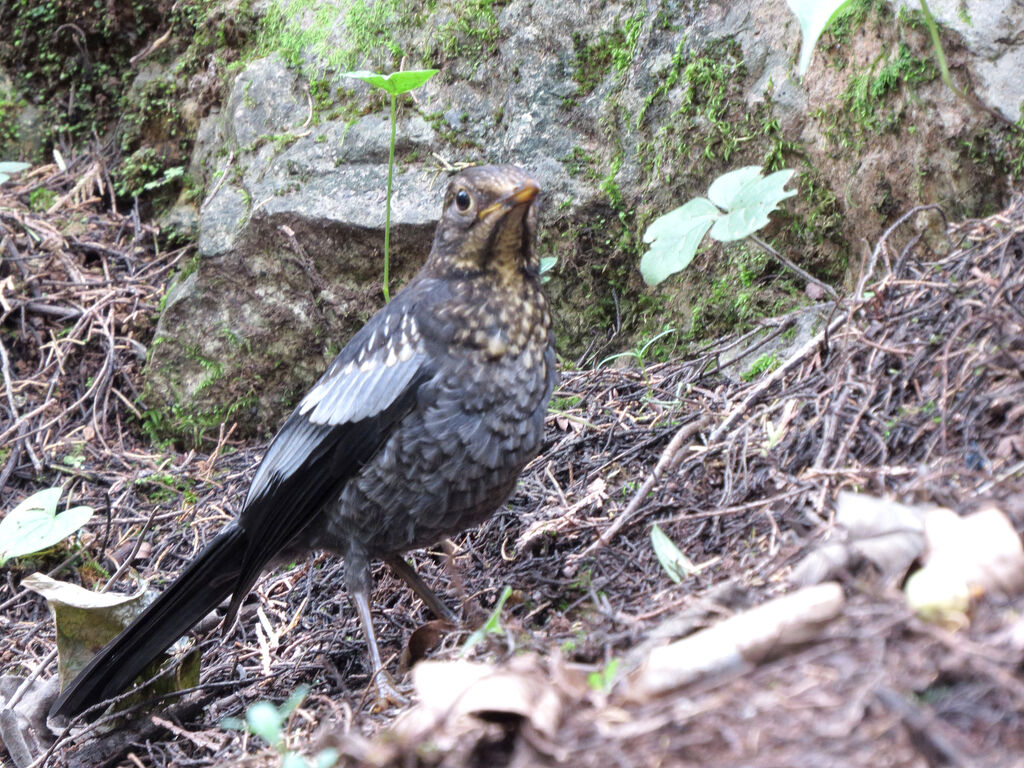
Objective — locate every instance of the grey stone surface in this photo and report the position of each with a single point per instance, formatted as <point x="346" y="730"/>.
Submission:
<point x="993" y="33"/>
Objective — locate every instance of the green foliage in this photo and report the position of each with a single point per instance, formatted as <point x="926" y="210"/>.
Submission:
<point x="740" y="203"/>
<point x="41" y="198"/>
<point x="712" y="120"/>
<point x="138" y="172"/>
<point x="603" y="680"/>
<point x="491" y="627"/>
<point x="473" y="33"/>
<point x="875" y="99"/>
<point x="763" y="364"/>
<point x="642" y="351"/>
<point x="394" y="85"/>
<point x="595" y="59"/>
<point x="9" y="131"/>
<point x="547" y="263"/>
<point x="677" y="565"/>
<point x="302" y="33"/>
<point x="268" y="721"/>
<point x="34" y="524"/>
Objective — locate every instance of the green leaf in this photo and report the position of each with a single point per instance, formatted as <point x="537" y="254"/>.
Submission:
<point x="327" y="758"/>
<point x="602" y="681"/>
<point x="674" y="239"/>
<point x="814" y="16"/>
<point x="726" y="188"/>
<point x="491" y="627"/>
<point x="676" y="564"/>
<point x="10" y="167"/>
<point x="748" y="199"/>
<point x="293" y="701"/>
<point x="35" y="525"/>
<point x="397" y="82"/>
<point x="264" y="720"/>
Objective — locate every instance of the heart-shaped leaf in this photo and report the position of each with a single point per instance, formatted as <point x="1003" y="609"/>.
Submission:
<point x="397" y="82"/>
<point x="34" y="524"/>
<point x="674" y="239"/>
<point x="748" y="199"/>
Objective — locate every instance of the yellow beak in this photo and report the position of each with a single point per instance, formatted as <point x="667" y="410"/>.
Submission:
<point x="526" y="193"/>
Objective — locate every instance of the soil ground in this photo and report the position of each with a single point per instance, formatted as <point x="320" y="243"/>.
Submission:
<point x="912" y="390"/>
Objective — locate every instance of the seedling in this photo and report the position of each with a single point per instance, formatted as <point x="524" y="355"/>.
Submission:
<point x="394" y="84"/>
<point x="34" y="525"/>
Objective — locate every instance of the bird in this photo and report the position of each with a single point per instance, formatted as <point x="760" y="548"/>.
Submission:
<point x="417" y="430"/>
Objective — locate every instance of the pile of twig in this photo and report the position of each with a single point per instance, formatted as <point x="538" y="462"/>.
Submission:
<point x="79" y="292"/>
<point x="914" y="387"/>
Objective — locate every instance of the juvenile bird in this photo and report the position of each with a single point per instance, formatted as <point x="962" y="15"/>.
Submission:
<point x="418" y="429"/>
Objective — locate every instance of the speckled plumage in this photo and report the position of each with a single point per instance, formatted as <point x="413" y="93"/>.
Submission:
<point x="418" y="429"/>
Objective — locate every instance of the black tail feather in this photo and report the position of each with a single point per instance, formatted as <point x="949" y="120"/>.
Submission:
<point x="200" y="588"/>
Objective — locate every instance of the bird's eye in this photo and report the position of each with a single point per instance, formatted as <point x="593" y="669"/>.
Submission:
<point x="462" y="200"/>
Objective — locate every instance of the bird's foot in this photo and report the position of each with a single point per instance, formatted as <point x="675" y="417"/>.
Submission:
<point x="386" y="693"/>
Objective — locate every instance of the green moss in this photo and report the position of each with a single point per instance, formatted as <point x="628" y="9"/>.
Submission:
<point x="9" y="133"/>
<point x="473" y="34"/>
<point x="745" y="286"/>
<point x="850" y="18"/>
<point x="711" y="109"/>
<point x="187" y="425"/>
<point x="41" y="198"/>
<point x="870" y="103"/>
<point x="595" y="58"/>
<point x="763" y="364"/>
<point x="162" y="487"/>
<point x="303" y="33"/>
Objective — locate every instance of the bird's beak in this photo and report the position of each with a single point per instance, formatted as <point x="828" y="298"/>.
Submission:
<point x="524" y="193"/>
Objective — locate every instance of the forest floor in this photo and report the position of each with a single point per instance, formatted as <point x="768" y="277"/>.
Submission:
<point x="912" y="389"/>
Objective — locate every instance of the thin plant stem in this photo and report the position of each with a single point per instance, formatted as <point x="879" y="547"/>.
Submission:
<point x="387" y="208"/>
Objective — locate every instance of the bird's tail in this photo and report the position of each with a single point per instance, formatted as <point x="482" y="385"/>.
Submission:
<point x="200" y="588"/>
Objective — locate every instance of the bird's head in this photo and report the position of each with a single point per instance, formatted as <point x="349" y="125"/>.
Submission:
<point x="489" y="223"/>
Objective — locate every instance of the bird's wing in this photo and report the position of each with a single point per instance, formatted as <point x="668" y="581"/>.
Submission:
<point x="335" y="429"/>
<point x="366" y="379"/>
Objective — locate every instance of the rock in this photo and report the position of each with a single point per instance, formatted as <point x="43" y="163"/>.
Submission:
<point x="997" y="55"/>
<point x="622" y="110"/>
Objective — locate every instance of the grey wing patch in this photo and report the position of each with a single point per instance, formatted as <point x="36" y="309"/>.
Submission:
<point x="366" y="381"/>
<point x="294" y="444"/>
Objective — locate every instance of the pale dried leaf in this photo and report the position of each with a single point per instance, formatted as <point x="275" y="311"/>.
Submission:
<point x="741" y="640"/>
<point x="85" y="620"/>
<point x="453" y="693"/>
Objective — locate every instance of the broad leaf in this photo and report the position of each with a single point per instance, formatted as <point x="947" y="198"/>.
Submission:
<point x="397" y="82"/>
<point x="726" y="188"/>
<point x="674" y="239"/>
<point x="814" y="16"/>
<point x="10" y="167"/>
<point x="264" y="720"/>
<point x="748" y="201"/>
<point x="35" y="525"/>
<point x="676" y="564"/>
<point x="85" y="620"/>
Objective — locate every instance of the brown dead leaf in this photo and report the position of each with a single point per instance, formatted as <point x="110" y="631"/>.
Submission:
<point x="424" y="639"/>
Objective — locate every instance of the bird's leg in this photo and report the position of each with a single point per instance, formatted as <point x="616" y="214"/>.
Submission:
<point x="360" y="583"/>
<point x="387" y="693"/>
<point x="425" y="593"/>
